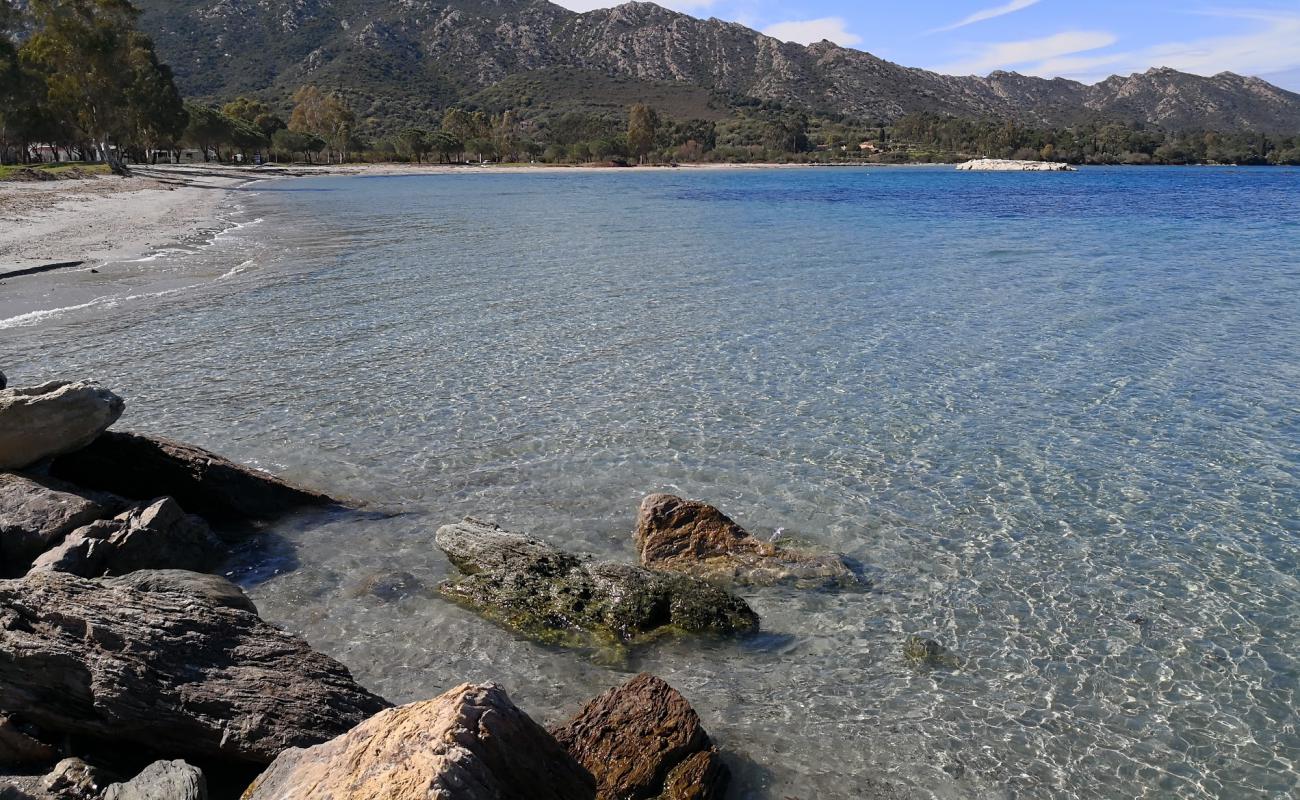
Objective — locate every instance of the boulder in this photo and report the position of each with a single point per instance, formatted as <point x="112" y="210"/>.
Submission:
<point x="162" y="780"/>
<point x="74" y="779"/>
<point x="643" y="740"/>
<point x="144" y="467"/>
<point x="166" y="671"/>
<point x="19" y="746"/>
<point x="470" y="743"/>
<point x="37" y="512"/>
<point x="561" y="598"/>
<point x="157" y="536"/>
<point x="695" y="538"/>
<point x="37" y="422"/>
<point x="212" y="589"/>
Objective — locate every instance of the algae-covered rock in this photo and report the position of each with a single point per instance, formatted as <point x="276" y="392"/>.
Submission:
<point x="697" y="539"/>
<point x="561" y="598"/>
<point x="921" y="652"/>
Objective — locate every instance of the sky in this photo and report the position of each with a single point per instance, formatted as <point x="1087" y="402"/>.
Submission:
<point x="1086" y="41"/>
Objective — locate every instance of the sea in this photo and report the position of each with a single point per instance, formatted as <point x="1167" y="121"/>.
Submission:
<point x="1054" y="417"/>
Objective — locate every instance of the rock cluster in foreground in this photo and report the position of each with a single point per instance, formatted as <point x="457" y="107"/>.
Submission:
<point x="1011" y="165"/>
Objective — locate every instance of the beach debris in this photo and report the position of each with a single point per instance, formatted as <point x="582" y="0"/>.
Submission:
<point x="37" y="422"/>
<point x="643" y="739"/>
<point x="146" y="467"/>
<point x="694" y="538"/>
<point x="560" y="598"/>
<point x="37" y="512"/>
<point x="159" y="535"/>
<point x="922" y="652"/>
<point x="470" y="743"/>
<point x="167" y="670"/>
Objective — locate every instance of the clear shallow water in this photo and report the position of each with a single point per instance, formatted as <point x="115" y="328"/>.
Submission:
<point x="1057" y="415"/>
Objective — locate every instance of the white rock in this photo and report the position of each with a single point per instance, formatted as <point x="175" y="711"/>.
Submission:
<point x="37" y="422"/>
<point x="1009" y="165"/>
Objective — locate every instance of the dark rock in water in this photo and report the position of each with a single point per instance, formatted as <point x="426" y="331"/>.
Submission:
<point x="36" y="513"/>
<point x="642" y="739"/>
<point x="922" y="652"/>
<point x="470" y="743"/>
<point x="4" y="382"/>
<point x="74" y="779"/>
<point x="37" y="422"/>
<point x="162" y="780"/>
<point x="697" y="539"/>
<point x="166" y="671"/>
<point x="144" y="467"/>
<point x="157" y="536"/>
<point x="212" y="589"/>
<point x="560" y="598"/>
<point x="390" y="586"/>
<point x="19" y="746"/>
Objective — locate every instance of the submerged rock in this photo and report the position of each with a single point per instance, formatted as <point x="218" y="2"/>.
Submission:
<point x="561" y="598"/>
<point x="36" y="513"/>
<point x="162" y="780"/>
<point x="166" y="671"/>
<point x="922" y="652"/>
<point x="697" y="539"/>
<point x="144" y="467"/>
<point x="470" y="743"/>
<point x="642" y="739"/>
<point x="37" y="422"/>
<point x="158" y="536"/>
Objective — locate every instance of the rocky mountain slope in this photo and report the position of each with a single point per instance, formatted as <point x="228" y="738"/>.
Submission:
<point x="413" y="54"/>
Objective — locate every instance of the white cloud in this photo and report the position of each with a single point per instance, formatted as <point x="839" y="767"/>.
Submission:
<point x="807" y="31"/>
<point x="988" y="13"/>
<point x="1268" y="50"/>
<point x="1005" y="55"/>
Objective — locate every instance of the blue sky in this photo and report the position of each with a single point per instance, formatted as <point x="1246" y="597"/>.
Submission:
<point x="1082" y="40"/>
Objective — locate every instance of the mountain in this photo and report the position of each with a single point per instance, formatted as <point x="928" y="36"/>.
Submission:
<point x="412" y="56"/>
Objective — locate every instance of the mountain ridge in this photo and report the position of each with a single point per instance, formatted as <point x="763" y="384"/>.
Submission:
<point x="426" y="54"/>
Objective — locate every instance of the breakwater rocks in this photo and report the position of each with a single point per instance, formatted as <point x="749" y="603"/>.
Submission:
<point x="1010" y="165"/>
<point x="128" y="673"/>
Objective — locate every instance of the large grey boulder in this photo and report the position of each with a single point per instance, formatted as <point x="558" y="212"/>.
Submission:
<point x="166" y="671"/>
<point x="37" y="512"/>
<point x="470" y="743"/>
<point x="144" y="467"/>
<point x="162" y="780"/>
<point x="37" y="422"/>
<point x="157" y="536"/>
<point x="562" y="598"/>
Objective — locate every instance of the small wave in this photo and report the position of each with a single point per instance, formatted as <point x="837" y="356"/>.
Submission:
<point x="108" y="301"/>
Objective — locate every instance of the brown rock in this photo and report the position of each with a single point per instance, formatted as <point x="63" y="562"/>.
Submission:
<point x="697" y="539"/>
<point x="470" y="743"/>
<point x="36" y="513"/>
<point x="37" y="422"/>
<point x="212" y="589"/>
<point x="643" y="740"/>
<point x="155" y="536"/>
<point x="144" y="467"/>
<point x="166" y="671"/>
<point x="17" y="746"/>
<point x="74" y="779"/>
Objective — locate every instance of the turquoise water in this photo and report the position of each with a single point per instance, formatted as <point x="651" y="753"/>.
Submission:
<point x="1057" y="415"/>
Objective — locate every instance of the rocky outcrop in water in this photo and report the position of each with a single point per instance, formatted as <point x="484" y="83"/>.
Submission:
<point x="37" y="422"/>
<point x="36" y="513"/>
<point x="561" y="598"/>
<point x="695" y="538"/>
<point x="145" y="467"/>
<point x="1009" y="165"/>
<point x="160" y="535"/>
<point x="470" y="743"/>
<point x="166" y="671"/>
<point x="642" y="739"/>
<point x="162" y="780"/>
